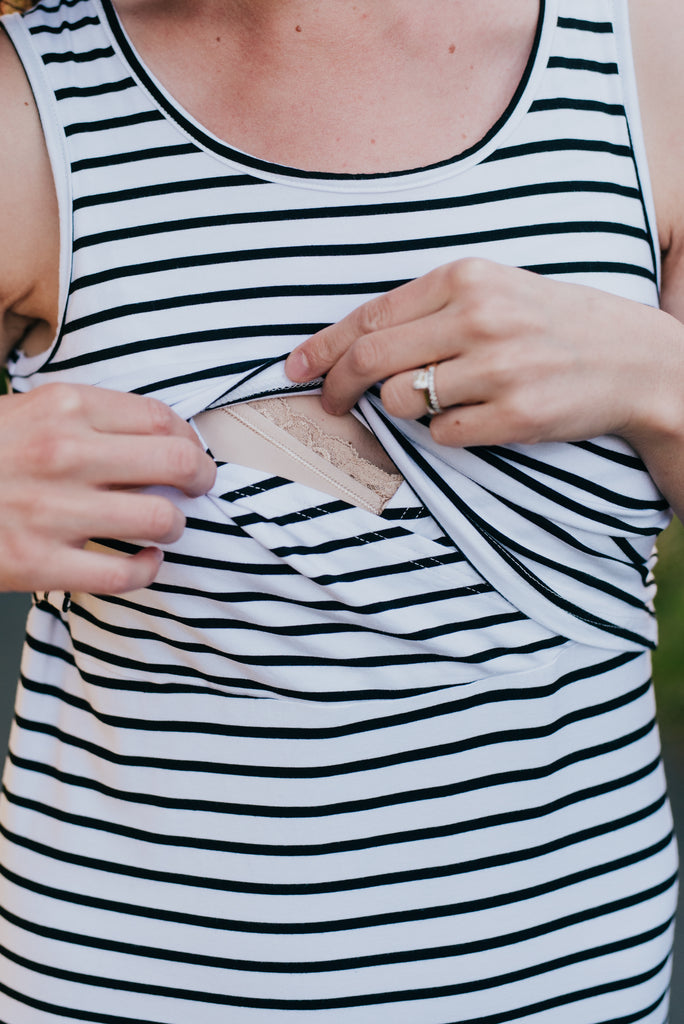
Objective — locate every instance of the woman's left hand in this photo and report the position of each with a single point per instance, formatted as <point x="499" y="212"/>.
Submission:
<point x="519" y="357"/>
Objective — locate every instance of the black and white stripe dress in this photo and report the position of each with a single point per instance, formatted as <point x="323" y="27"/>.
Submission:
<point x="333" y="765"/>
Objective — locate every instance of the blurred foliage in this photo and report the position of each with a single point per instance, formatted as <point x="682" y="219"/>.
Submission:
<point x="668" y="661"/>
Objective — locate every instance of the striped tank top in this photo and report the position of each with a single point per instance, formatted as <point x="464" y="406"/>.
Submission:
<point x="336" y="765"/>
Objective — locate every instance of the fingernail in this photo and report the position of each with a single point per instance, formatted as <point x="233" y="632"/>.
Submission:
<point x="297" y="366"/>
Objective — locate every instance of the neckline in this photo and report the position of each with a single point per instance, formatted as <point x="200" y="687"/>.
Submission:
<point x="267" y="170"/>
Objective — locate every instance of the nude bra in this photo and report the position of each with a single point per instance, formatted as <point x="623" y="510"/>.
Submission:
<point x="295" y="438"/>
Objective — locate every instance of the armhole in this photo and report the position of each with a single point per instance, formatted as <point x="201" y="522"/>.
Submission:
<point x="631" y="96"/>
<point x="19" y="364"/>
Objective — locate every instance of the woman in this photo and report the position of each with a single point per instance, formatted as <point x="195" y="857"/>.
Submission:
<point x="386" y="754"/>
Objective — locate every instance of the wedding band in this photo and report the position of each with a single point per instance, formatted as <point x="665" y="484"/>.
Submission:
<point x="424" y="380"/>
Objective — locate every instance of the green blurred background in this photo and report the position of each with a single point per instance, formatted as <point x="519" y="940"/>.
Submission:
<point x="668" y="674"/>
<point x="669" y="658"/>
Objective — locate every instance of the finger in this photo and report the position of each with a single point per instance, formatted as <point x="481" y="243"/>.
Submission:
<point x="121" y="514"/>
<point x="454" y="384"/>
<point x="115" y="460"/>
<point x="404" y="304"/>
<point x="92" y="572"/>
<point x="136" y="414"/>
<point x="382" y="355"/>
<point x="147" y="461"/>
<point x="469" y="426"/>
<point x="115" y="412"/>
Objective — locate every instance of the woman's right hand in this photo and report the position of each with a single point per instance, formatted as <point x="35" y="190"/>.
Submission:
<point x="73" y="458"/>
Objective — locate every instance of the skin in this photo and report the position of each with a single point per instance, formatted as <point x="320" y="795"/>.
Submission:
<point x="383" y="86"/>
<point x="366" y="87"/>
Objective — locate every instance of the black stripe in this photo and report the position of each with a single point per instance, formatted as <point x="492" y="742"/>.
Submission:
<point x="497" y="460"/>
<point x="339" y="885"/>
<point x="237" y="658"/>
<point x="568" y="103"/>
<point x="226" y="295"/>
<point x="75" y="91"/>
<point x="145" y="117"/>
<point x="222" y="399"/>
<point x="51" y="650"/>
<point x="640" y="563"/>
<point x="223" y="528"/>
<point x="156" y="153"/>
<point x="366" y="999"/>
<point x="165" y="189"/>
<point x="304" y="629"/>
<point x="293" y="291"/>
<point x="359" y="248"/>
<point x="559" y="146"/>
<point x="242" y="684"/>
<point x="346" y="963"/>
<point x="387" y="721"/>
<point x="622" y="458"/>
<point x="372" y="209"/>
<point x="542" y="522"/>
<point x="426" y="562"/>
<point x="235" y="687"/>
<point x="89" y="1016"/>
<point x="342" y="543"/>
<point x="507" y="1017"/>
<point x="499" y="539"/>
<point x="66" y="26"/>
<point x="604" y="27"/>
<point x="265" y="569"/>
<point x="69" y="57"/>
<point x="284" y="812"/>
<point x="337" y="770"/>
<point x="406" y="835"/>
<point x="47" y="9"/>
<point x="406" y="514"/>
<point x="592" y="267"/>
<point x="372" y="608"/>
<point x="582" y="64"/>
<point x="310" y="251"/>
<point x="581" y="483"/>
<point x="53" y="10"/>
<point x="289" y="330"/>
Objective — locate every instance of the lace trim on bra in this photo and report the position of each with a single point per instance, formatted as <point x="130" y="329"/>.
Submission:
<point x="276" y="435"/>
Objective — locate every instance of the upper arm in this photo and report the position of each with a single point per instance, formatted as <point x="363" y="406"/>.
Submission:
<point x="658" y="42"/>
<point x="29" y="218"/>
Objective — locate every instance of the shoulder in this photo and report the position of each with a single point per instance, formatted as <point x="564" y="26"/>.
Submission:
<point x="657" y="30"/>
<point x="29" y="219"/>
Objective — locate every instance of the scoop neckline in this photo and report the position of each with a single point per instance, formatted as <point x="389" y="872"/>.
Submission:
<point x="259" y="167"/>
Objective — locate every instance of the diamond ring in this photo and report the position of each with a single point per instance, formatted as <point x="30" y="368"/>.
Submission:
<point x="424" y="380"/>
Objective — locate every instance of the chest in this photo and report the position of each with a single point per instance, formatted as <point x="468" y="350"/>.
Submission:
<point x="339" y="90"/>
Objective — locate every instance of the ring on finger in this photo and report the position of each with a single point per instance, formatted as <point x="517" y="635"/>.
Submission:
<point x="424" y="380"/>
